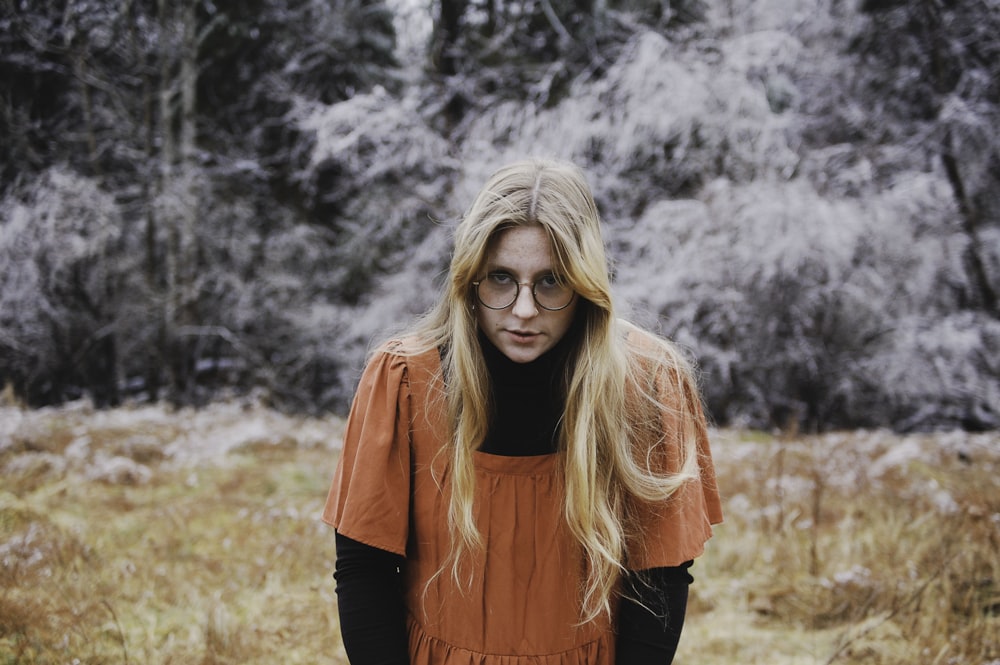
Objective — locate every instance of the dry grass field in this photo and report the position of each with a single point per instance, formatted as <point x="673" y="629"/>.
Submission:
<point x="144" y="535"/>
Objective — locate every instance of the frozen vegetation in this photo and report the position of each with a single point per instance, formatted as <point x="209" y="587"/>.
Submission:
<point x="813" y="218"/>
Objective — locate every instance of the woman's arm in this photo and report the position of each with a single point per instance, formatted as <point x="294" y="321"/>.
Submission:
<point x="370" y="602"/>
<point x="651" y="615"/>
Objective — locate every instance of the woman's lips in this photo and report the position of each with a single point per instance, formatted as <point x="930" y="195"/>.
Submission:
<point x="522" y="336"/>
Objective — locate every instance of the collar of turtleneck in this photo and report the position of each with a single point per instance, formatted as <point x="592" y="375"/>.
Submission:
<point x="527" y="402"/>
<point x="504" y="370"/>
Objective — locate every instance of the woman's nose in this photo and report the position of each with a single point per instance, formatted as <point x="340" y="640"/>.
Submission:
<point x="524" y="304"/>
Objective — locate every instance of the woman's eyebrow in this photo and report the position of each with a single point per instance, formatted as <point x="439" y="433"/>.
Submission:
<point x="499" y="267"/>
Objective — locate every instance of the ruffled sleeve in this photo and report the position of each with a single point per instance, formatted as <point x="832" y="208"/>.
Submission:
<point x="369" y="499"/>
<point x="674" y="531"/>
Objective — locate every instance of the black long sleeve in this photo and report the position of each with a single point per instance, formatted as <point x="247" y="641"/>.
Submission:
<point x="651" y="615"/>
<point x="370" y="603"/>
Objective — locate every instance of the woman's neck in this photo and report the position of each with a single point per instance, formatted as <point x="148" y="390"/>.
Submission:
<point x="527" y="402"/>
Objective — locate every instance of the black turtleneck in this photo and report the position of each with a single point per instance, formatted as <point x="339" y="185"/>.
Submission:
<point x="527" y="402"/>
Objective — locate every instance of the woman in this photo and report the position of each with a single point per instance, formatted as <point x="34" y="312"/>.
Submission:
<point x="525" y="478"/>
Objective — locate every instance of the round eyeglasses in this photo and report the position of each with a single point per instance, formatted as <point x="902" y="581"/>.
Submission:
<point x="500" y="290"/>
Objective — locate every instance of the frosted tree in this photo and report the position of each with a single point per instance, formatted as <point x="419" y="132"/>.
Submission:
<point x="59" y="307"/>
<point x="932" y="82"/>
<point x="179" y="110"/>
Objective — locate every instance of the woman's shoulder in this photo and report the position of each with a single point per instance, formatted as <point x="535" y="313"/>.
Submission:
<point x="405" y="353"/>
<point x="404" y="346"/>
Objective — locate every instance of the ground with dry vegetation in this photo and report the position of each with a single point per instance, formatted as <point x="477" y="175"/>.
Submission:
<point x="145" y="535"/>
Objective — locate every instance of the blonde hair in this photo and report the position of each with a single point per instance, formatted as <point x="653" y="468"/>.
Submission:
<point x="613" y="428"/>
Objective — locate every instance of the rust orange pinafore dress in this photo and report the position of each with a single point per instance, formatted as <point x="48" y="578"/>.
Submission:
<point x="521" y="603"/>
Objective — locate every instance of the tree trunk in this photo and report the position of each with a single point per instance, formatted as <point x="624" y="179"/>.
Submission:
<point x="178" y="190"/>
<point x="983" y="295"/>
<point x="446" y="32"/>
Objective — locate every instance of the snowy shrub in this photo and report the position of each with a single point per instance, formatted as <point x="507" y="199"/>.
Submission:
<point x="763" y="15"/>
<point x="294" y="317"/>
<point x="662" y="122"/>
<point x="375" y="182"/>
<point x="376" y="177"/>
<point x="306" y="356"/>
<point x="782" y="295"/>
<point x="373" y="140"/>
<point x="61" y="276"/>
<point x="944" y="373"/>
<point x="989" y="239"/>
<point x="805" y="309"/>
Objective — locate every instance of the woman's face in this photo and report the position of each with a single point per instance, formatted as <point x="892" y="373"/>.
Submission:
<point x="523" y="331"/>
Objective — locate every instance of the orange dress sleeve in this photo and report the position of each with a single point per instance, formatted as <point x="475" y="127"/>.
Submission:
<point x="670" y="532"/>
<point x="369" y="499"/>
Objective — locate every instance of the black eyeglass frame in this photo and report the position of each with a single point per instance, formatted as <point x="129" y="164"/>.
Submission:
<point x="517" y="294"/>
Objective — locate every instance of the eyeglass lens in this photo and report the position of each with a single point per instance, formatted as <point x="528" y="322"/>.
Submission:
<point x="499" y="291"/>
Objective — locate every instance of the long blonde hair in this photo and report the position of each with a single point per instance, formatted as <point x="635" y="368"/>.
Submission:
<point x="612" y="437"/>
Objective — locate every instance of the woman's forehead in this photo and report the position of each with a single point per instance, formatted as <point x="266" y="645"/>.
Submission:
<point x="525" y="248"/>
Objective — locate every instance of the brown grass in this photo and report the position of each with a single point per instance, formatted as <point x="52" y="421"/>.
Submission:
<point x="111" y="552"/>
<point x="218" y="563"/>
<point x="831" y="555"/>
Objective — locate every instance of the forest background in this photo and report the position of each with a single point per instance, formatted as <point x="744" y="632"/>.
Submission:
<point x="209" y="198"/>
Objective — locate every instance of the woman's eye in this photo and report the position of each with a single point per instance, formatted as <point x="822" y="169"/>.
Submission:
<point x="549" y="281"/>
<point x="500" y="278"/>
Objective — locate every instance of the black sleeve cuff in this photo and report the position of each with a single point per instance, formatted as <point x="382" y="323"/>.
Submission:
<point x="651" y="615"/>
<point x="370" y="603"/>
